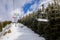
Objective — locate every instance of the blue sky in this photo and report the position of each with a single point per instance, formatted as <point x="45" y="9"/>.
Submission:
<point x="9" y="7"/>
<point x="27" y="6"/>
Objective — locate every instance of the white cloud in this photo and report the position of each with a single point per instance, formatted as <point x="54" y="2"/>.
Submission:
<point x="0" y="19"/>
<point x="16" y="13"/>
<point x="17" y="6"/>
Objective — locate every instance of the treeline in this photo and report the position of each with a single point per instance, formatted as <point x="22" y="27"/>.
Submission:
<point x="51" y="29"/>
<point x="3" y="24"/>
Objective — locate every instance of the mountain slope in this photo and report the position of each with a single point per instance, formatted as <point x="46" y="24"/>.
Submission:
<point x="21" y="32"/>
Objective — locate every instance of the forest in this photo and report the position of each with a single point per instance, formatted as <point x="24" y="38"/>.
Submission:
<point x="51" y="29"/>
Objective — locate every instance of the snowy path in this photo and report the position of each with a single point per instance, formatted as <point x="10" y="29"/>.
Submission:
<point x="21" y="32"/>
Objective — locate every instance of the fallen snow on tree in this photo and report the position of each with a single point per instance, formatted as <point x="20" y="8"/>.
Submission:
<point x="44" y="20"/>
<point x="21" y="32"/>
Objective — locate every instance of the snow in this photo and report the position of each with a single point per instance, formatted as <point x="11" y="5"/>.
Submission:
<point x="44" y="20"/>
<point x="21" y="32"/>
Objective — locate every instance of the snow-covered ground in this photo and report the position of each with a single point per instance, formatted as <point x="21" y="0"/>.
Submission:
<point x="21" y="32"/>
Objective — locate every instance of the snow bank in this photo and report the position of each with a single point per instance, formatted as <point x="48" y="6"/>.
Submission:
<point x="21" y="32"/>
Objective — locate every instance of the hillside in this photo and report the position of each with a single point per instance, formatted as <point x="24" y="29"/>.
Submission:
<point x="20" y="32"/>
<point x="50" y="29"/>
